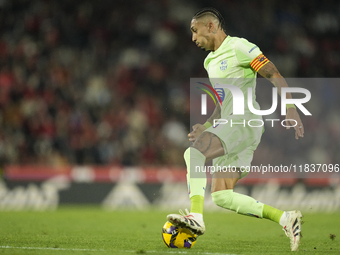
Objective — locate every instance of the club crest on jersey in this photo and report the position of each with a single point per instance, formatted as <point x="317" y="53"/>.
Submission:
<point x="224" y="65"/>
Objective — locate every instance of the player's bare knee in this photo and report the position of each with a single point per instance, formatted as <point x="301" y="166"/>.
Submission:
<point x="209" y="144"/>
<point x="202" y="142"/>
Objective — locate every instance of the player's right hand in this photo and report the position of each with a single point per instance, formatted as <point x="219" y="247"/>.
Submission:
<point x="196" y="132"/>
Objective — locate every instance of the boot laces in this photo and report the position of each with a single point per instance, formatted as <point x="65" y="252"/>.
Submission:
<point x="184" y="214"/>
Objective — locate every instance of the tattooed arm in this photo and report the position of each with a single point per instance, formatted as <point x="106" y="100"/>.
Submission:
<point x="199" y="128"/>
<point x="270" y="72"/>
<point x="216" y="114"/>
<point x="206" y="142"/>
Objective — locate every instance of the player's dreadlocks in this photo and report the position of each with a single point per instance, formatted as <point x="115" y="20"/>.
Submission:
<point x="213" y="12"/>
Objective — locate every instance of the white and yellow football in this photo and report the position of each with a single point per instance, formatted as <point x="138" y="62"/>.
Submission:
<point x="175" y="237"/>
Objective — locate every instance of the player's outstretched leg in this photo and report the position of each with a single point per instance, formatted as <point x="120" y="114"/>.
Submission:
<point x="290" y="221"/>
<point x="196" y="187"/>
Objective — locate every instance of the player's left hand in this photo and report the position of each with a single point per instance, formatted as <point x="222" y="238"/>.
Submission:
<point x="293" y="114"/>
<point x="197" y="130"/>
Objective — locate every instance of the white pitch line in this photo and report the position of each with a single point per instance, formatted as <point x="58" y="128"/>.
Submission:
<point x="127" y="251"/>
<point x="47" y="248"/>
<point x="181" y="252"/>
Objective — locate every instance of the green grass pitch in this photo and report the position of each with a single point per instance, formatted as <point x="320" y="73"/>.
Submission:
<point x="90" y="230"/>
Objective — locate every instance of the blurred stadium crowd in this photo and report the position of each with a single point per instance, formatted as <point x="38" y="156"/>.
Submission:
<point x="107" y="82"/>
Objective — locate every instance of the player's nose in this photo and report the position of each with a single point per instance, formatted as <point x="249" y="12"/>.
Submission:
<point x="194" y="38"/>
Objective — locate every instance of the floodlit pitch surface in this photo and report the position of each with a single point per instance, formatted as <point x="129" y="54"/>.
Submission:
<point x="88" y="230"/>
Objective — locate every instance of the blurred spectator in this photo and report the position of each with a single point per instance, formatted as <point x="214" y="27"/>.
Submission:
<point x="108" y="82"/>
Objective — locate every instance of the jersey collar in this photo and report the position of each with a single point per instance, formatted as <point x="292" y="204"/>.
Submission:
<point x="225" y="41"/>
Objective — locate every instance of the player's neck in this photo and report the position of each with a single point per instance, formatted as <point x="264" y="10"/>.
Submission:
<point x="219" y="39"/>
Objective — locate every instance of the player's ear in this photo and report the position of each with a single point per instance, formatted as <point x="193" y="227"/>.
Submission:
<point x="210" y="26"/>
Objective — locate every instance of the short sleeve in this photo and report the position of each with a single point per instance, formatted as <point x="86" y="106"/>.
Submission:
<point x="249" y="54"/>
